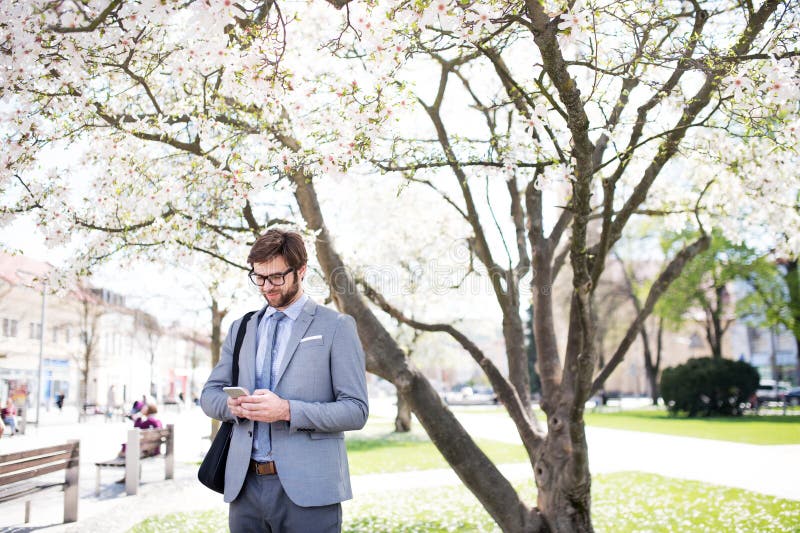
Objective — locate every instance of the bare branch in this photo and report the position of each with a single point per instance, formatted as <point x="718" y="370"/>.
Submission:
<point x="496" y="273"/>
<point x="438" y="164"/>
<point x="661" y="284"/>
<point x="441" y="193"/>
<point x="531" y="438"/>
<point x="93" y="24"/>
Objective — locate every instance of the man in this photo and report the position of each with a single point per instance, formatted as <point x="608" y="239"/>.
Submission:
<point x="303" y="367"/>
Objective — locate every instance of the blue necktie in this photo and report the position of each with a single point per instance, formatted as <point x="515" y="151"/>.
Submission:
<point x="264" y="381"/>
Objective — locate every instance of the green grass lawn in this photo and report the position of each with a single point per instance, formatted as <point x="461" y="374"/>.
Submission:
<point x="621" y="503"/>
<point x="748" y="429"/>
<point x="376" y="449"/>
<point x="398" y="452"/>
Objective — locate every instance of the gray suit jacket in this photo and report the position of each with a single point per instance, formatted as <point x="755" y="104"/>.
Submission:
<point x="323" y="377"/>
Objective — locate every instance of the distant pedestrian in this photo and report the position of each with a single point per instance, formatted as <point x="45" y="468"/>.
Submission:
<point x="60" y="400"/>
<point x="754" y="404"/>
<point x="111" y="402"/>
<point x="9" y="415"/>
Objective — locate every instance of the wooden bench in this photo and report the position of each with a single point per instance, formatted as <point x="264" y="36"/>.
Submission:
<point x="21" y="475"/>
<point x="142" y="445"/>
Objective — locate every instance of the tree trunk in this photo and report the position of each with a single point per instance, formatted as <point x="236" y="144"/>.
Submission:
<point x="514" y="335"/>
<point x="84" y="393"/>
<point x="648" y="361"/>
<point x="216" y="331"/>
<point x="402" y="422"/>
<point x="217" y="315"/>
<point x="714" y="329"/>
<point x="562" y="467"/>
<point x="652" y="374"/>
<point x="563" y="478"/>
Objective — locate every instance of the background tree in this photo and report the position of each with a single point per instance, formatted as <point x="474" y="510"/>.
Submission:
<point x="89" y="331"/>
<point x="150" y="335"/>
<point x="193" y="109"/>
<point x="706" y="285"/>
<point x="774" y="299"/>
<point x="633" y="289"/>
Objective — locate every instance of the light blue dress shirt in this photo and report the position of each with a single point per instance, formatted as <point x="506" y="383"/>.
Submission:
<point x="283" y="332"/>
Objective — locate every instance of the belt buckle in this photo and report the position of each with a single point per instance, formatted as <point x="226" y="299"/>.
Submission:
<point x="264" y="469"/>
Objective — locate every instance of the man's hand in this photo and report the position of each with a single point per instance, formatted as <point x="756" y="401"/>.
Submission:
<point x="263" y="406"/>
<point x="234" y="406"/>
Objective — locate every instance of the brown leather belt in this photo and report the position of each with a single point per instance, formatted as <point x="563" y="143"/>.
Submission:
<point x="263" y="469"/>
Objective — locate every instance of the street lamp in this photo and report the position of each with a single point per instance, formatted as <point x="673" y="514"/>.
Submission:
<point x="39" y="386"/>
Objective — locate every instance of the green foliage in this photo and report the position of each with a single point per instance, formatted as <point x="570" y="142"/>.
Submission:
<point x="711" y="271"/>
<point x="775" y="296"/>
<point x="709" y="385"/>
<point x="761" y="429"/>
<point x="624" y="502"/>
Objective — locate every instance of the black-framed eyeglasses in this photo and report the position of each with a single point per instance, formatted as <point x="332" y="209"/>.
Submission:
<point x="276" y="280"/>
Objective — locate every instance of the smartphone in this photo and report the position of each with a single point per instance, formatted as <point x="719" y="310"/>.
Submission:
<point x="235" y="392"/>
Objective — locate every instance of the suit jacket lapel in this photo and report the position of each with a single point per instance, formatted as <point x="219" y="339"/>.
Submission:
<point x="299" y="329"/>
<point x="247" y="355"/>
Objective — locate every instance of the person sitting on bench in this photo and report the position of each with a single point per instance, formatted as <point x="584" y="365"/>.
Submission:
<point x="9" y="413"/>
<point x="147" y="420"/>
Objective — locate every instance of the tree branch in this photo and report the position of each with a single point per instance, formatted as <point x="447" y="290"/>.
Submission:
<point x="93" y="24"/>
<point x="531" y="438"/>
<point x="661" y="284"/>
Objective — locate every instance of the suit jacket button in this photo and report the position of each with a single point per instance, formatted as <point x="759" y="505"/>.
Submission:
<point x="250" y="433"/>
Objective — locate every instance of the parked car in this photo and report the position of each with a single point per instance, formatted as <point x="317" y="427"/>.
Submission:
<point x="770" y="391"/>
<point x="793" y="396"/>
<point x="466" y="395"/>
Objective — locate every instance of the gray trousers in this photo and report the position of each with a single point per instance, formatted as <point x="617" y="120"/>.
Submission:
<point x="263" y="507"/>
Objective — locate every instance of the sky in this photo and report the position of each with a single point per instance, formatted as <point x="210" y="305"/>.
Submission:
<point x="163" y="292"/>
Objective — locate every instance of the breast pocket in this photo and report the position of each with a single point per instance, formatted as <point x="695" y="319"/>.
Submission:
<point x="311" y="341"/>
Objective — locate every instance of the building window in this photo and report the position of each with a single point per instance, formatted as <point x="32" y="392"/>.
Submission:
<point x="55" y="334"/>
<point x="9" y="327"/>
<point x="36" y="330"/>
<point x="67" y="336"/>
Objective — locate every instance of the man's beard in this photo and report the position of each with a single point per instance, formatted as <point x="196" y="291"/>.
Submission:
<point x="285" y="298"/>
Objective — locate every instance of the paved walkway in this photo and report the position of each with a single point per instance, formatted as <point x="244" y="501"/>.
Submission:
<point x="766" y="469"/>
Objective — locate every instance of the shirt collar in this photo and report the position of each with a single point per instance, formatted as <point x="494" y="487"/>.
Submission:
<point x="293" y="311"/>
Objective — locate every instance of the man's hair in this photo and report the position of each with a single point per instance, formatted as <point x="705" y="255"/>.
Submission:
<point x="278" y="242"/>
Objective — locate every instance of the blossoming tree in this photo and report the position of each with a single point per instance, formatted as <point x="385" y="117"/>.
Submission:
<point x="187" y="124"/>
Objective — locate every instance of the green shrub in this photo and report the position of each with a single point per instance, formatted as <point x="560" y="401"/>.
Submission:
<point x="709" y="386"/>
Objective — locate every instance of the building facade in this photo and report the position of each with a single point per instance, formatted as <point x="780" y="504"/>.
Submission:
<point x="88" y="345"/>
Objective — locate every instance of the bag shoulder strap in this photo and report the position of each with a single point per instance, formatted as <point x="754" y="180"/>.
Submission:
<point x="238" y="346"/>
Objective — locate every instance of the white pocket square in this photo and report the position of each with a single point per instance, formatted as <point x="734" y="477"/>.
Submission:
<point x="311" y="338"/>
